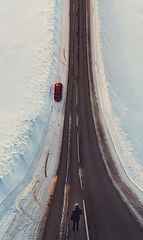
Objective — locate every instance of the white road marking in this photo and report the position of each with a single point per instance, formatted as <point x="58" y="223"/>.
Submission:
<point x="78" y="148"/>
<point x="76" y="94"/>
<point x="80" y="178"/>
<point x="85" y="218"/>
<point x="77" y="120"/>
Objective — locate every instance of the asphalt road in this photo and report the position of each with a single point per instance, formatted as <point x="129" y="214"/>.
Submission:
<point x="82" y="176"/>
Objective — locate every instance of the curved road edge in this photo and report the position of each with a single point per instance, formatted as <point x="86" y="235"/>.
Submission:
<point x="105" y="142"/>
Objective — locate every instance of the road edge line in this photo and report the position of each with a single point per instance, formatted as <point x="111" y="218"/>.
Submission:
<point x="85" y="218"/>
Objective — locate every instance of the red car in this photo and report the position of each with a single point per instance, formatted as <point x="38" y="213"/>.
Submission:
<point x="58" y="92"/>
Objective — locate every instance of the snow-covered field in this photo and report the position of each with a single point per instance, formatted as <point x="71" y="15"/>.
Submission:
<point x="34" y="48"/>
<point x="118" y="55"/>
<point x="34" y="51"/>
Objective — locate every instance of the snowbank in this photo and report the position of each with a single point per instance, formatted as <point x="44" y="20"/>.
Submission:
<point x="117" y="59"/>
<point x="23" y="210"/>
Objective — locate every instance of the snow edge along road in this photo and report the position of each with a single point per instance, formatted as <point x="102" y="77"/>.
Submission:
<point x="12" y="222"/>
<point x="129" y="192"/>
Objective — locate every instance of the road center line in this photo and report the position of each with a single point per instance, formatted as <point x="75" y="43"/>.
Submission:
<point x="78" y="148"/>
<point x="85" y="218"/>
<point x="77" y="120"/>
<point x="76" y="94"/>
<point x="80" y="178"/>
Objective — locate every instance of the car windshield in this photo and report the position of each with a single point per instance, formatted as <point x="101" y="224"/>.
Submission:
<point x="57" y="95"/>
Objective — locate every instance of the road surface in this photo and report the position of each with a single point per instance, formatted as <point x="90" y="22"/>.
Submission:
<point x="82" y="176"/>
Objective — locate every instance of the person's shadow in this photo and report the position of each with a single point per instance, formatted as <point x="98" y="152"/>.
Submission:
<point x="76" y="235"/>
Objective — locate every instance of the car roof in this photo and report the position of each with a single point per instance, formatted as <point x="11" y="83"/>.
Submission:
<point x="57" y="87"/>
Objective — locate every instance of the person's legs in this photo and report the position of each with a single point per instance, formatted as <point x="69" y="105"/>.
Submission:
<point x="77" y="226"/>
<point x="73" y="225"/>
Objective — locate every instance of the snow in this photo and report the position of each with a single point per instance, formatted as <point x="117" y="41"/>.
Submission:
<point x="118" y="50"/>
<point x="26" y="74"/>
<point x="34" y="52"/>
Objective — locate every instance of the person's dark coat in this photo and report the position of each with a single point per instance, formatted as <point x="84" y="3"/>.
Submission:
<point x="75" y="217"/>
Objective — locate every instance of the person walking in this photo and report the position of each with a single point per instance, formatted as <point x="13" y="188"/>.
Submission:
<point x="75" y="216"/>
